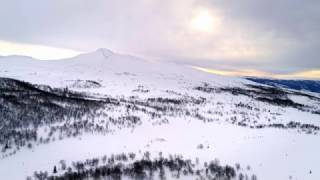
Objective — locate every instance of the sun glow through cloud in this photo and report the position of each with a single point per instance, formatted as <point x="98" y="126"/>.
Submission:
<point x="205" y="21"/>
<point x="36" y="51"/>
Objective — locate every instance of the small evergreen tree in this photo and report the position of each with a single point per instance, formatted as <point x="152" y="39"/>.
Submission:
<point x="54" y="169"/>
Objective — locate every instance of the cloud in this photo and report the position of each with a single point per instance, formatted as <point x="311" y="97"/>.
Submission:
<point x="289" y="29"/>
<point x="274" y="36"/>
<point x="311" y="74"/>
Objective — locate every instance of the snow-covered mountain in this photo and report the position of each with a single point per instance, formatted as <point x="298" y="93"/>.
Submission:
<point x="107" y="115"/>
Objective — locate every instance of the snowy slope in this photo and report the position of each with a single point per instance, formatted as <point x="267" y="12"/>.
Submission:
<point x="168" y="108"/>
<point x="104" y="65"/>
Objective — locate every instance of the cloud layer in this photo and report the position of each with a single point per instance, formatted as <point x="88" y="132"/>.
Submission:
<point x="274" y="36"/>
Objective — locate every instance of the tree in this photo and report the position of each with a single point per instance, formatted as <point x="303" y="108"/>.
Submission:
<point x="54" y="170"/>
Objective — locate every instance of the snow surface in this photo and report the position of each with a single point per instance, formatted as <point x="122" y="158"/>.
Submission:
<point x="273" y="154"/>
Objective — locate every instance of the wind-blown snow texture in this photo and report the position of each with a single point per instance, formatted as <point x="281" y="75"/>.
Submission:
<point x="86" y="111"/>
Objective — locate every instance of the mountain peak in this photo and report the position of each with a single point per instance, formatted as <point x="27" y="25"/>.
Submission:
<point x="104" y="51"/>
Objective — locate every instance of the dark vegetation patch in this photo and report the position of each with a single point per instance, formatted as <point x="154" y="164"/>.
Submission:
<point x="84" y="84"/>
<point x="165" y="100"/>
<point x="25" y="107"/>
<point x="280" y="102"/>
<point x="271" y="95"/>
<point x="141" y="89"/>
<point x="306" y="128"/>
<point x="129" y="167"/>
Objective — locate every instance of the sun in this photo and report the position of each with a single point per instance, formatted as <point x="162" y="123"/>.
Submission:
<point x="204" y="21"/>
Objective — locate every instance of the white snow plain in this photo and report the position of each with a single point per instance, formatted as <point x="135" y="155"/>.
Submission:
<point x="272" y="154"/>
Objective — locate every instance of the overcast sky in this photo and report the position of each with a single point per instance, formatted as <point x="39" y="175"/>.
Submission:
<point x="276" y="36"/>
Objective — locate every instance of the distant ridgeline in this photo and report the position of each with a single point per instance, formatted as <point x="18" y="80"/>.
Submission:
<point x="308" y="85"/>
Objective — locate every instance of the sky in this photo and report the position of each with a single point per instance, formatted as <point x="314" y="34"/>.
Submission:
<point x="278" y="38"/>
